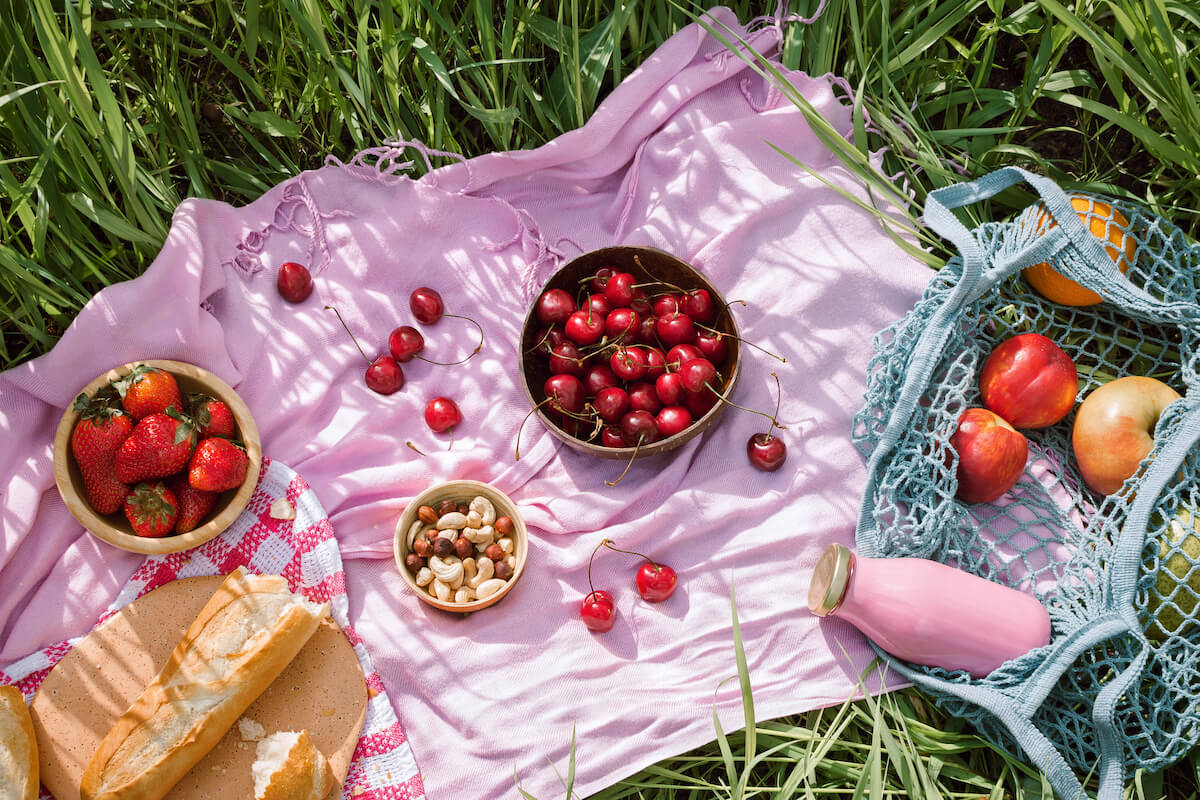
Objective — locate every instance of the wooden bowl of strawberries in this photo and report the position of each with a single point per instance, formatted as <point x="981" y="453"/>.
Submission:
<point x="157" y="456"/>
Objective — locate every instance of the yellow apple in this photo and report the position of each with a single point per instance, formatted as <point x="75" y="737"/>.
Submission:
<point x="1114" y="429"/>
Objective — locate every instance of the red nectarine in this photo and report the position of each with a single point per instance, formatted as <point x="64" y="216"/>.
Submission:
<point x="1029" y="381"/>
<point x="991" y="455"/>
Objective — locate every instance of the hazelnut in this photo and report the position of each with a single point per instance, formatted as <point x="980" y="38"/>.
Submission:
<point x="427" y="515"/>
<point x="431" y="534"/>
<point x="504" y="526"/>
<point x="503" y="571"/>
<point x="423" y="547"/>
<point x="443" y="547"/>
<point x="414" y="562"/>
<point x="463" y="548"/>
<point x="463" y="509"/>
<point x="446" y="507"/>
<point x="494" y="552"/>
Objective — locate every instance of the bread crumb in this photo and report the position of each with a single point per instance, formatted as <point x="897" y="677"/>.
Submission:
<point x="282" y="509"/>
<point x="251" y="730"/>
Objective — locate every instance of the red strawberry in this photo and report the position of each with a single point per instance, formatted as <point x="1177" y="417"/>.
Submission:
<point x="151" y="510"/>
<point x="194" y="504"/>
<point x="97" y="437"/>
<point x="217" y="465"/>
<point x="159" y="446"/>
<point x="213" y="416"/>
<point x="147" y="390"/>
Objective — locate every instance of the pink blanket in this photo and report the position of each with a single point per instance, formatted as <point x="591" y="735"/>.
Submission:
<point x="680" y="157"/>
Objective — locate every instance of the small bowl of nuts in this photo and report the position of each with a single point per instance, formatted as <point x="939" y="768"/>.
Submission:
<point x="461" y="546"/>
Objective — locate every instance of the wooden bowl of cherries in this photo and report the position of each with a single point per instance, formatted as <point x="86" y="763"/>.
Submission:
<point x="629" y="352"/>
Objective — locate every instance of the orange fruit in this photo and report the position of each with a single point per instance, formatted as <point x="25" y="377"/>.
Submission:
<point x="1106" y="224"/>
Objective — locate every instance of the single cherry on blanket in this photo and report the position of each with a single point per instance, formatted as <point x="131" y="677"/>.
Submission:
<point x="598" y="611"/>
<point x="428" y="307"/>
<point x="294" y="282"/>
<point x="655" y="582"/>
<point x="766" y="451"/>
<point x="442" y="414"/>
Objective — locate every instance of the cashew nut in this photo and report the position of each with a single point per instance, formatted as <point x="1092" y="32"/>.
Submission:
<point x="484" y="571"/>
<point x="440" y="590"/>
<point x="413" y="530"/>
<point x="469" y="568"/>
<point x="483" y="536"/>
<point x="487" y="511"/>
<point x="506" y="544"/>
<point x="489" y="588"/>
<point x="424" y="576"/>
<point x="511" y="561"/>
<point x="464" y="595"/>
<point x="447" y="570"/>
<point x="474" y="520"/>
<point x="449" y="533"/>
<point x="452" y="520"/>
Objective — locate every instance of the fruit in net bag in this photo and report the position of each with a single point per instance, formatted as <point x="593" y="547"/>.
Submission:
<point x="1176" y="592"/>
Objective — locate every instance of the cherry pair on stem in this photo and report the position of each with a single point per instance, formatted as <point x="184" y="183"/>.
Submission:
<point x="655" y="583"/>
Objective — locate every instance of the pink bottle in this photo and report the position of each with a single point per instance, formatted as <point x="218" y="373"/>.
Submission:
<point x="927" y="612"/>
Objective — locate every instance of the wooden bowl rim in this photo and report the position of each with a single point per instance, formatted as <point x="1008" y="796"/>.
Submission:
<point x="101" y="527"/>
<point x="439" y="492"/>
<point x="662" y="445"/>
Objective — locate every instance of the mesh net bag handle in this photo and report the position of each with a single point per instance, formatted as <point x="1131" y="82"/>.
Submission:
<point x="1067" y="706"/>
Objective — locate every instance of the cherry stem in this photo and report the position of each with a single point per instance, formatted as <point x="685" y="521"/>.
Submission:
<point x="609" y="544"/>
<point x="451" y="438"/>
<point x="778" y="400"/>
<point x="447" y="363"/>
<point x="347" y="327"/>
<point x="527" y="416"/>
<point x="478" y="347"/>
<point x="724" y="399"/>
<point x="414" y="448"/>
<point x="591" y="586"/>
<point x="632" y="458"/>
<point x="725" y="335"/>
<point x="541" y="341"/>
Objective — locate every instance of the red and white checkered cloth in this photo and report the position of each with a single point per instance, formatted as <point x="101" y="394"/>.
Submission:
<point x="305" y="551"/>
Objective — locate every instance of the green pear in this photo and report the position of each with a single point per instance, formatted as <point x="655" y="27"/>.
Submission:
<point x="1179" y="549"/>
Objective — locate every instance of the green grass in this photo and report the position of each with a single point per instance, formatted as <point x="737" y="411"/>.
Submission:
<point x="112" y="112"/>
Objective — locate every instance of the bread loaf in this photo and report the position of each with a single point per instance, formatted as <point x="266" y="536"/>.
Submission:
<point x="246" y="634"/>
<point x="18" y="748"/>
<point x="289" y="767"/>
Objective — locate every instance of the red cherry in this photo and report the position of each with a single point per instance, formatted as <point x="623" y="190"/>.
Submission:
<point x="673" y="419"/>
<point x="655" y="582"/>
<point x="554" y="306"/>
<point x="600" y="279"/>
<point x="566" y="360"/>
<point x="669" y="388"/>
<point x="629" y="363"/>
<point x="384" y="375"/>
<point x="639" y="426"/>
<point x="698" y="305"/>
<point x="611" y="403"/>
<point x="642" y="397"/>
<point x="294" y="282"/>
<point x="584" y="327"/>
<point x="766" y="452"/>
<point x="712" y="345"/>
<point x="656" y="363"/>
<point x="567" y="393"/>
<point x="680" y="353"/>
<point x="640" y="302"/>
<point x="675" y="329"/>
<point x="622" y="326"/>
<point x="441" y="414"/>
<point x="696" y="373"/>
<point x="599" y="377"/>
<point x="405" y="342"/>
<point x="426" y="305"/>
<point x="667" y="304"/>
<point x="699" y="403"/>
<point x="598" y="611"/>
<point x="598" y="304"/>
<point x="547" y="338"/>
<point x="646" y="334"/>
<point x="610" y="436"/>
<point x="619" y="290"/>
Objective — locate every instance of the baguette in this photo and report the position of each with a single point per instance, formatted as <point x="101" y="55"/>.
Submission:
<point x="246" y="634"/>
<point x="18" y="748"/>
<point x="288" y="766"/>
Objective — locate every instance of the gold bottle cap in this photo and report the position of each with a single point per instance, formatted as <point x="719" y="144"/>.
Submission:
<point x="829" y="580"/>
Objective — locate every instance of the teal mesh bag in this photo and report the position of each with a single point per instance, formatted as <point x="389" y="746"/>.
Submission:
<point x="1118" y="686"/>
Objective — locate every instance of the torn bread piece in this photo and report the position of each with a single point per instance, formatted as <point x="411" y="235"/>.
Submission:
<point x="18" y="748"/>
<point x="247" y="633"/>
<point x="289" y="767"/>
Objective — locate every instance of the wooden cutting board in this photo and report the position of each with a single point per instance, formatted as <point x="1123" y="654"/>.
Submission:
<point x="321" y="691"/>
